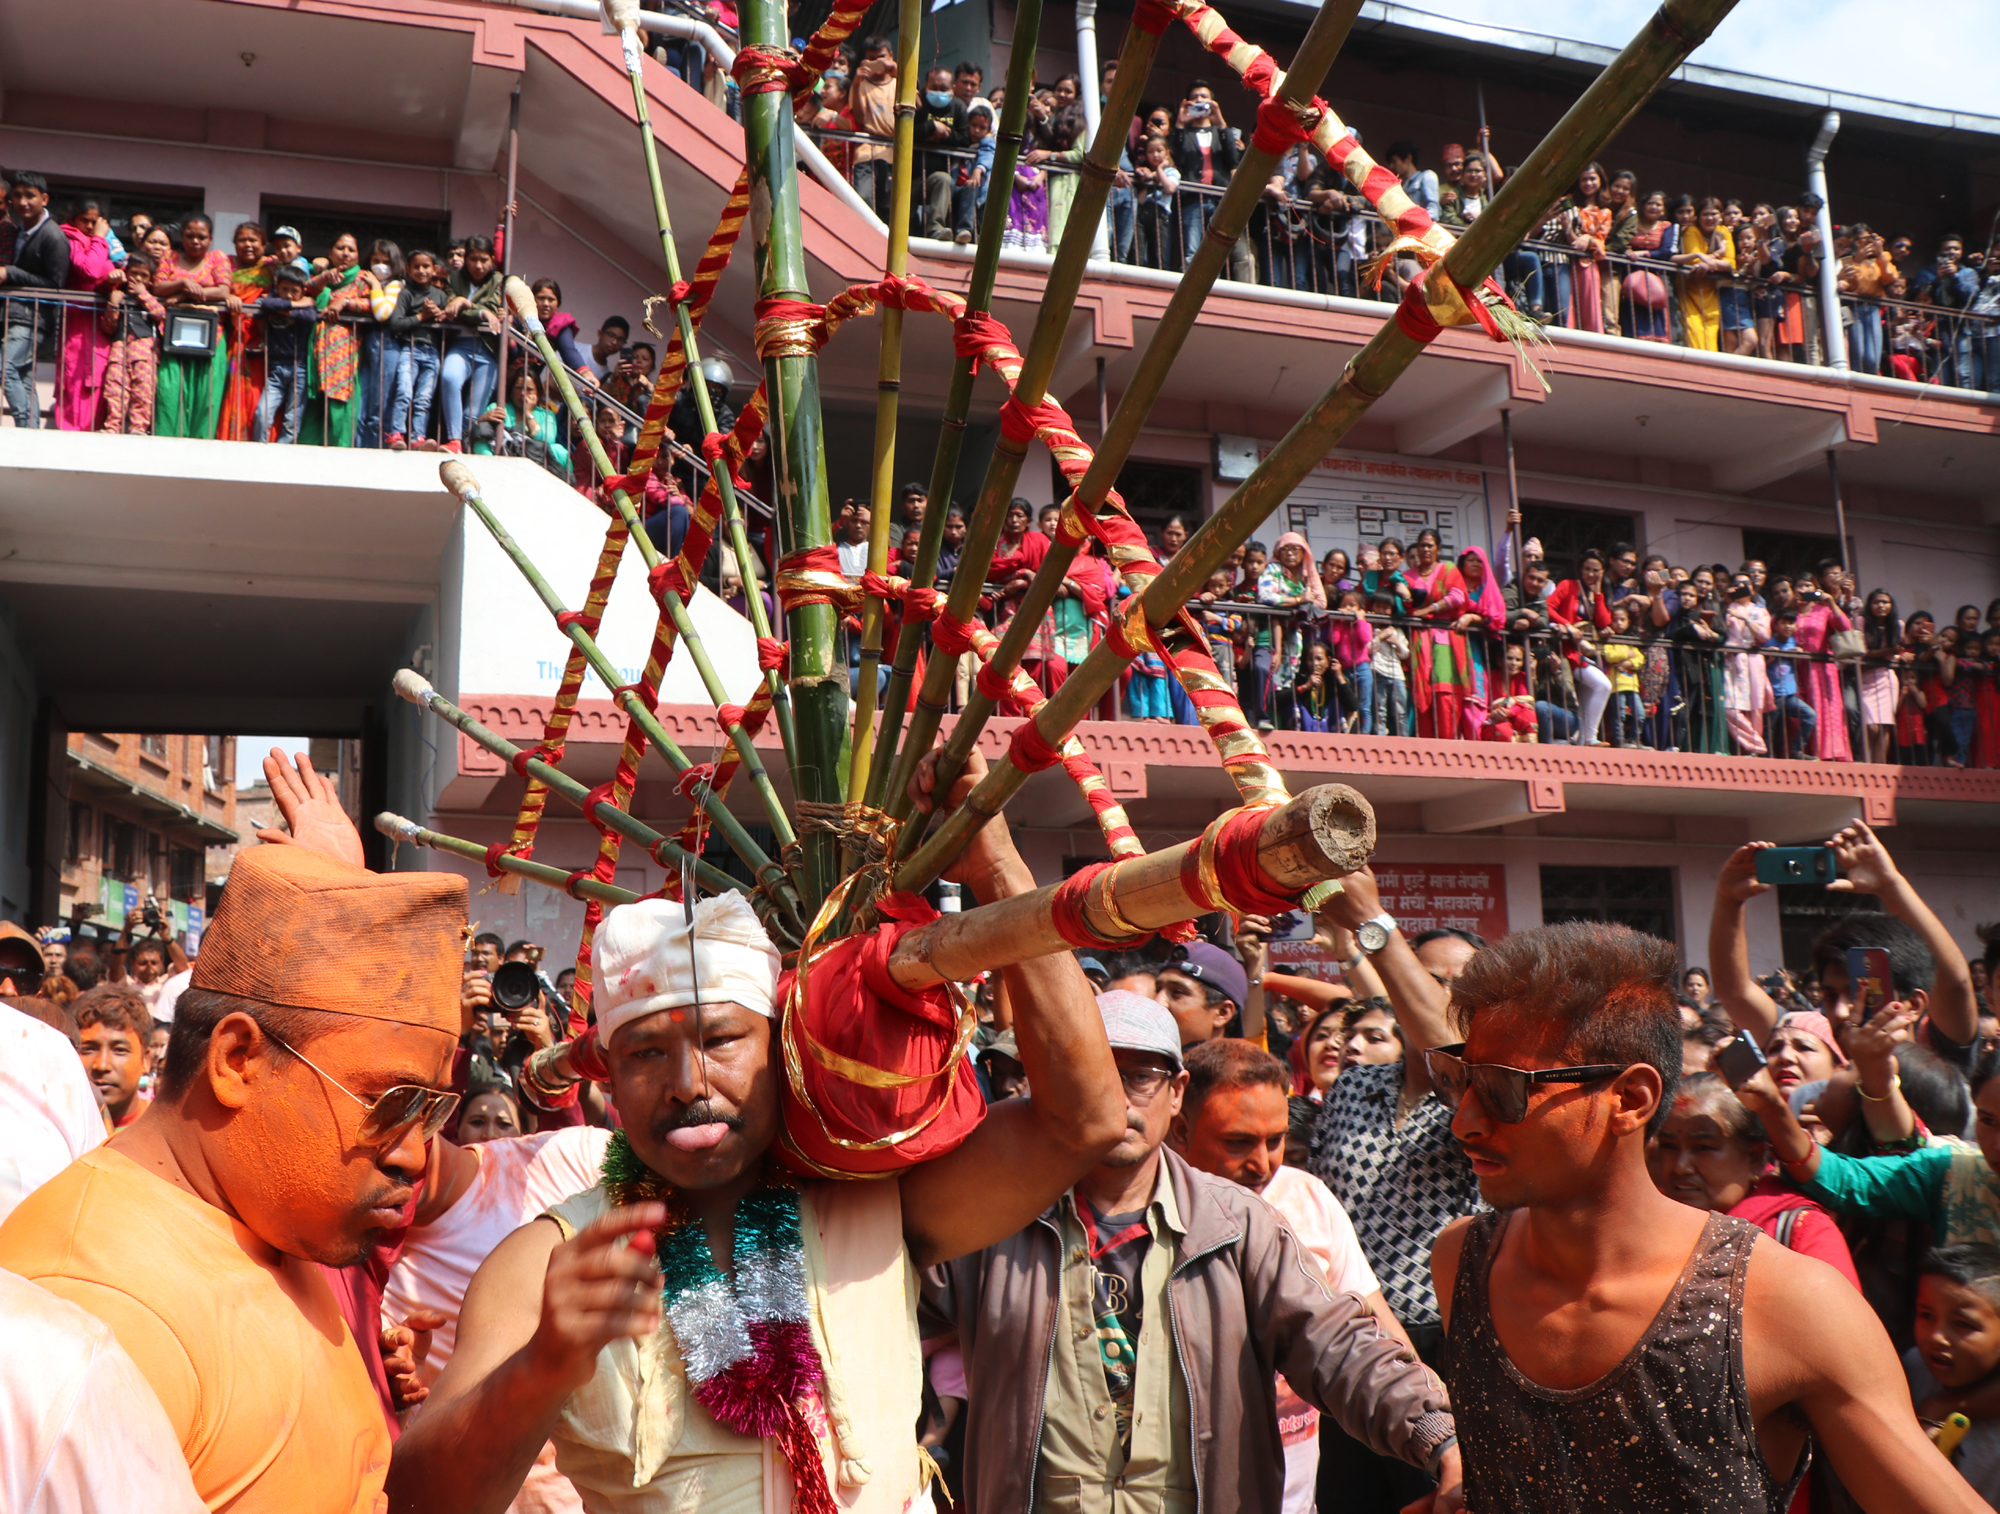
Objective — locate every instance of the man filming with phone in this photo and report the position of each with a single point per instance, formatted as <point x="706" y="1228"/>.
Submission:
<point x="1928" y="973"/>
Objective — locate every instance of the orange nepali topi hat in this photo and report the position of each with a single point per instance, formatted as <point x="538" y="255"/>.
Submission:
<point x="310" y="932"/>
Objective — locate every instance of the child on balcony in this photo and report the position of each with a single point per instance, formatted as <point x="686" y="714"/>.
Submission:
<point x="288" y="324"/>
<point x="1624" y="662"/>
<point x="1223" y="627"/>
<point x="413" y="352"/>
<point x="1388" y="650"/>
<point x="1782" y="650"/>
<point x="132" y="319"/>
<point x="1350" y="641"/>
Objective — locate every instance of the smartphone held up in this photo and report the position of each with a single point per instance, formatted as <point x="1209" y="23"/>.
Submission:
<point x="1797" y="864"/>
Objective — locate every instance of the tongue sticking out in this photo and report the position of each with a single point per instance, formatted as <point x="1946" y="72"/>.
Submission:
<point x="697" y="1137"/>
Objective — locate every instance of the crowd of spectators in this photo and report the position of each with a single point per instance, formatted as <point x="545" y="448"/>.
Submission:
<point x="152" y="329"/>
<point x="1852" y="1121"/>
<point x="1404" y="639"/>
<point x="1654" y="264"/>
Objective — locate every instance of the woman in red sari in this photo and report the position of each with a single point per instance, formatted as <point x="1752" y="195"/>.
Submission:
<point x="1819" y="680"/>
<point x="1438" y="668"/>
<point x="249" y="282"/>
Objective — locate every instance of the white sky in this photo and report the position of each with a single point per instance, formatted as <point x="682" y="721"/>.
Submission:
<point x="1938" y="54"/>
<point x="252" y="750"/>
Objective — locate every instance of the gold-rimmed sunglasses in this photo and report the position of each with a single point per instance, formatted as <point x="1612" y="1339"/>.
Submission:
<point x="394" y="1110"/>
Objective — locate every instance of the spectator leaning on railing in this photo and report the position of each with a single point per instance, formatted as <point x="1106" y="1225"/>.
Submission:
<point x="34" y="254"/>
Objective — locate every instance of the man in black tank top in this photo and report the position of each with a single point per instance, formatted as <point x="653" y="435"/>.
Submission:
<point x="1606" y="1347"/>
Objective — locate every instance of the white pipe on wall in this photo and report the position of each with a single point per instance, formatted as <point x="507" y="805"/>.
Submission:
<point x="1086" y="88"/>
<point x="1829" y="269"/>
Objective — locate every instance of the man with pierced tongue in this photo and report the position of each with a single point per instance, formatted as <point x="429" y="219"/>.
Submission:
<point x="701" y="1331"/>
<point x="303" y="1077"/>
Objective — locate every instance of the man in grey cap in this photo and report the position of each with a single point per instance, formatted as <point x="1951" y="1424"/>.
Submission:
<point x="1124" y="1345"/>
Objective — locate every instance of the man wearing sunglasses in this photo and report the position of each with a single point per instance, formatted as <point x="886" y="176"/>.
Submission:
<point x="1604" y="1337"/>
<point x="301" y="1082"/>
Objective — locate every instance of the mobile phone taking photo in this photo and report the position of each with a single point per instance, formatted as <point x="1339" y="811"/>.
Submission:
<point x="1868" y="981"/>
<point x="1738" y="1059"/>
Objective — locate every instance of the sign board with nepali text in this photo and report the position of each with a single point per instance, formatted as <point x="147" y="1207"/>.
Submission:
<point x="1422" y="896"/>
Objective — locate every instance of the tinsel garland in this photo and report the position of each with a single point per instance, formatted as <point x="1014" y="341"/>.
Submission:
<point x="746" y="1341"/>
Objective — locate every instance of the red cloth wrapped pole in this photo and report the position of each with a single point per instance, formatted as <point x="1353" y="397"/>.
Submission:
<point x="876" y="1076"/>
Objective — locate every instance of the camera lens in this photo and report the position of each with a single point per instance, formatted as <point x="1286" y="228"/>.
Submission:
<point x="514" y="985"/>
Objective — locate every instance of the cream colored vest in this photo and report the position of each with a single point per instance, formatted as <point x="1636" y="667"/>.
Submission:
<point x="633" y="1442"/>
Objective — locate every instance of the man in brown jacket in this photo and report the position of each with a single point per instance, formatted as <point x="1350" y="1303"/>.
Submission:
<point x="871" y="101"/>
<point x="1122" y="1351"/>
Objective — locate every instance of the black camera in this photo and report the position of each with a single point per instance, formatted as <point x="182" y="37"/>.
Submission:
<point x="155" y="921"/>
<point x="516" y="985"/>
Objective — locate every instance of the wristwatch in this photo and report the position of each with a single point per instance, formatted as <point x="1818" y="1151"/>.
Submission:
<point x="1372" y="935"/>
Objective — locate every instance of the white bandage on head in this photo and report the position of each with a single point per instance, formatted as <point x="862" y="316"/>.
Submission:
<point x="642" y="960"/>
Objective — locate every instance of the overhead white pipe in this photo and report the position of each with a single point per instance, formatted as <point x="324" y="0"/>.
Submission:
<point x="1086" y="88"/>
<point x="687" y="29"/>
<point x="1829" y="270"/>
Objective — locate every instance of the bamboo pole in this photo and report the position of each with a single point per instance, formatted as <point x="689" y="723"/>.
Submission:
<point x="1675" y="30"/>
<point x="1038" y="361"/>
<point x="523" y="301"/>
<point x="396" y="828"/>
<point x="1320" y="46"/>
<point x="958" y="398"/>
<point x="888" y="390"/>
<point x="1324" y="833"/>
<point x="414" y="687"/>
<point x="626" y="16"/>
<point x="459" y="479"/>
<point x="798" y="451"/>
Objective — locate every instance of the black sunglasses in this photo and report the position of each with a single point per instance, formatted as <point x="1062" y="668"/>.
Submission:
<point x="27" y="979"/>
<point x="1502" y="1090"/>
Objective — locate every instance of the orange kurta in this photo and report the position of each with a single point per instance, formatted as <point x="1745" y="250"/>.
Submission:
<point x="244" y="1345"/>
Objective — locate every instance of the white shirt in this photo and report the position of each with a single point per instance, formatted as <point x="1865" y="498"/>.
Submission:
<point x="518" y="1177"/>
<point x="1314" y="1216"/>
<point x="167" y="993"/>
<point x="49" y="1115"/>
<point x="853" y="558"/>
<point x="80" y="1429"/>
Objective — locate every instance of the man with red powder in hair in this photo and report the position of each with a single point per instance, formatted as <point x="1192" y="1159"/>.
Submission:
<point x="301" y="1082"/>
<point x="1606" y="1346"/>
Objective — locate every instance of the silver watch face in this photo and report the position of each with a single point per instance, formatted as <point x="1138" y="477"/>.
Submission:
<point x="1372" y="935"/>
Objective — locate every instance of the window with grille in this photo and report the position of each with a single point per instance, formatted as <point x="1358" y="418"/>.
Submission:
<point x="1641" y="897"/>
<point x="185" y="874"/>
<point x="154" y="746"/>
<point x="78" y="844"/>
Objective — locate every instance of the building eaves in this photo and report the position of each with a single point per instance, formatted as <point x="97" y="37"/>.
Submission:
<point x="170" y="814"/>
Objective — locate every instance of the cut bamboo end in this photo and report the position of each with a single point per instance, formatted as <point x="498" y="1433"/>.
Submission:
<point x="459" y="478"/>
<point x="522" y="300"/>
<point x="622" y="15"/>
<point x="1323" y="834"/>
<point x="413" y="686"/>
<point x="396" y="828"/>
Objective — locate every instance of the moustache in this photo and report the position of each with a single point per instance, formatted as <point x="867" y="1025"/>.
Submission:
<point x="702" y="1112"/>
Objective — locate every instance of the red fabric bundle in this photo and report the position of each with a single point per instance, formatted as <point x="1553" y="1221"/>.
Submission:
<point x="853" y="1022"/>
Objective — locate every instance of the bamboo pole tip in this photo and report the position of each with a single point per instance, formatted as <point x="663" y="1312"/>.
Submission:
<point x="1326" y="832"/>
<point x="522" y="299"/>
<point x="395" y="827"/>
<point x="413" y="686"/>
<point x="459" y="479"/>
<point x="623" y="14"/>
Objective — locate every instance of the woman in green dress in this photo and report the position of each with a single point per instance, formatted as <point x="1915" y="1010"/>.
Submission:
<point x="188" y="401"/>
<point x="334" y="363"/>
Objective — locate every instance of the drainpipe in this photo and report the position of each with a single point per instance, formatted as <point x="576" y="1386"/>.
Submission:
<point x="1829" y="270"/>
<point x="1087" y="86"/>
<point x="687" y="29"/>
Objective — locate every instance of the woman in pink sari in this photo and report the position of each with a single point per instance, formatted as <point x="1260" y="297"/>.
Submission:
<point x="85" y="348"/>
<point x="1819" y="681"/>
<point x="1438" y="667"/>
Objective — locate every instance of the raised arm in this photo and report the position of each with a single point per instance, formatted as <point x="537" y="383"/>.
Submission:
<point x="538" y="1312"/>
<point x="1027" y="1152"/>
<point x="1867" y="868"/>
<point x="1421" y="1003"/>
<point x="1729" y="949"/>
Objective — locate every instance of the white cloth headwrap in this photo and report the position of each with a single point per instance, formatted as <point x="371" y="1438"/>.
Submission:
<point x="642" y="961"/>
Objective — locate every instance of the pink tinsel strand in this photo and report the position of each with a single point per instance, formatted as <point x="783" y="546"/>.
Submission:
<point x="753" y="1396"/>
